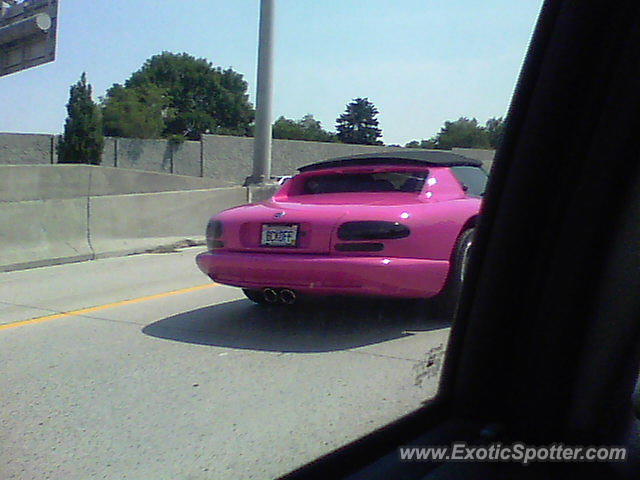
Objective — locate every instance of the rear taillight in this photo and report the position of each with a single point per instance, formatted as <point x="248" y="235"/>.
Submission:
<point x="372" y="230"/>
<point x="214" y="232"/>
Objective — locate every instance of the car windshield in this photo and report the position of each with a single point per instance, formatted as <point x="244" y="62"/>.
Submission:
<point x="408" y="182"/>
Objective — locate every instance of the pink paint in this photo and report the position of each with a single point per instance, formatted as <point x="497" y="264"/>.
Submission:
<point x="414" y="266"/>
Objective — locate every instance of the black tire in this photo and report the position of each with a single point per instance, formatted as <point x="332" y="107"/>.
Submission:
<point x="255" y="296"/>
<point x="447" y="301"/>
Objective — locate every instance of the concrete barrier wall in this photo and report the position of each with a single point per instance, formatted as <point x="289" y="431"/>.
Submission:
<point x="260" y="193"/>
<point x="41" y="182"/>
<point x="54" y="231"/>
<point x="45" y="232"/>
<point x="130" y="223"/>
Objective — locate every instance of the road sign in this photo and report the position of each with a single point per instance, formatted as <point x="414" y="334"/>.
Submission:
<point x="27" y="34"/>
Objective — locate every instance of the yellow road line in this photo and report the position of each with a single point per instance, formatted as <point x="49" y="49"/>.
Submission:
<point x="122" y="303"/>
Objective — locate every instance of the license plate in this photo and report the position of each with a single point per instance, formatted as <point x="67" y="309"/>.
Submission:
<point x="279" y="235"/>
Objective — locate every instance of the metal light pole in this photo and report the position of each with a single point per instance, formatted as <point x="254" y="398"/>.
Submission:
<point x="264" y="96"/>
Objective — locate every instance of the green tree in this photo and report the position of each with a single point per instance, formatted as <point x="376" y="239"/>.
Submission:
<point x="464" y="132"/>
<point x="427" y="144"/>
<point x="288" y="129"/>
<point x="82" y="141"/>
<point x="137" y="112"/>
<point x="202" y="98"/>
<point x="307" y="128"/>
<point x="495" y="131"/>
<point x="359" y="123"/>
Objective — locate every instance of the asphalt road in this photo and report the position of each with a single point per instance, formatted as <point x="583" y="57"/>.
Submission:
<point x="140" y="368"/>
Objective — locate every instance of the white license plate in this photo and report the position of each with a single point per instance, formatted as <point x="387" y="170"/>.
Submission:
<point x="279" y="235"/>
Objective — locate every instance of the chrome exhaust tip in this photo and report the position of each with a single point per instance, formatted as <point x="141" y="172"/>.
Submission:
<point x="287" y="296"/>
<point x="270" y="295"/>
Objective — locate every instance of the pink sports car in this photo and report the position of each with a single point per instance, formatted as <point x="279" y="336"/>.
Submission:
<point x="392" y="224"/>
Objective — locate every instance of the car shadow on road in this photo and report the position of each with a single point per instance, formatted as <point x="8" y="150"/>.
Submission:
<point x="320" y="326"/>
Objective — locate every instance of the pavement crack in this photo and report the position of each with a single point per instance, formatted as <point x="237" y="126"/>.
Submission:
<point x="93" y="252"/>
<point x="382" y="355"/>
<point x="60" y="312"/>
<point x="33" y="307"/>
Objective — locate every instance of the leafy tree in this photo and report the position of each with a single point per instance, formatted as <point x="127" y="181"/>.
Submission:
<point x="307" y="128"/>
<point x="201" y="98"/>
<point x="464" y="132"/>
<point x="431" y="143"/>
<point x="137" y="112"/>
<point x="495" y="131"/>
<point x="287" y="129"/>
<point x="359" y="124"/>
<point x="82" y="141"/>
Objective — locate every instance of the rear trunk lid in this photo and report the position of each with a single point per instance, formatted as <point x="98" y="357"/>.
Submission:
<point x="305" y="224"/>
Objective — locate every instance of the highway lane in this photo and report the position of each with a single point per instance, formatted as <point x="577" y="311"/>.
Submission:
<point x="163" y="380"/>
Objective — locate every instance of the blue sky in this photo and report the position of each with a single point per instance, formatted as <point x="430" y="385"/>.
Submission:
<point x="421" y="62"/>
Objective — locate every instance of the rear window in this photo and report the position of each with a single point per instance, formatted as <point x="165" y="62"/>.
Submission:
<point x="473" y="179"/>
<point x="408" y="182"/>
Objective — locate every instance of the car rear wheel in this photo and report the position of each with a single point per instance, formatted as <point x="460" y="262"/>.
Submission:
<point x="255" y="296"/>
<point x="447" y="301"/>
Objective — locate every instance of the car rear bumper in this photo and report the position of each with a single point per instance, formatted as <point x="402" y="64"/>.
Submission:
<point x="327" y="275"/>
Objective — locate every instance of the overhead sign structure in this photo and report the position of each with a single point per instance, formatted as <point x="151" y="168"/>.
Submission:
<point x="27" y="34"/>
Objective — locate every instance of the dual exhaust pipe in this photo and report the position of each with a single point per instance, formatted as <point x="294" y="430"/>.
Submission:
<point x="273" y="296"/>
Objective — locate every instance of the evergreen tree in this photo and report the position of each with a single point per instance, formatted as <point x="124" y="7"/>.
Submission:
<point x="82" y="141"/>
<point x="359" y="124"/>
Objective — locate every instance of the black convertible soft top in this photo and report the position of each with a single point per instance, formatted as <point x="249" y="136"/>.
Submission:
<point x="438" y="158"/>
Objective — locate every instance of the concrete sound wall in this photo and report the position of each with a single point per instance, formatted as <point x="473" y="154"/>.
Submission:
<point x="27" y="149"/>
<point x="225" y="159"/>
<point x="187" y="159"/>
<point x="151" y="155"/>
<point x="230" y="158"/>
<point x="485" y="156"/>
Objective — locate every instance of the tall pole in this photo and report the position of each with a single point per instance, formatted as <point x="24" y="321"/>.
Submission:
<point x="264" y="96"/>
